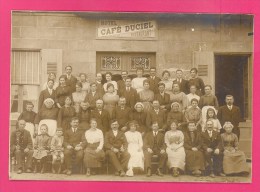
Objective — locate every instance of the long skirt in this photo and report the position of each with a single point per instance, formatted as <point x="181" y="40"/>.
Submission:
<point x="204" y="114"/>
<point x="234" y="163"/>
<point x="194" y="160"/>
<point x="52" y="126"/>
<point x="93" y="159"/>
<point x="136" y="157"/>
<point x="176" y="158"/>
<point x="29" y="127"/>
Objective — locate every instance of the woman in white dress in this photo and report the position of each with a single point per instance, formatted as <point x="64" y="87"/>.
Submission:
<point x="174" y="140"/>
<point x="135" y="148"/>
<point x="137" y="83"/>
<point x="78" y="96"/>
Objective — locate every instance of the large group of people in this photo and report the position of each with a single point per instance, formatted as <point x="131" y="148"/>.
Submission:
<point x="129" y="124"/>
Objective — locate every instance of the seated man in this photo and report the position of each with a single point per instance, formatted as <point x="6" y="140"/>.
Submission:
<point x="121" y="113"/>
<point x="154" y="145"/>
<point x="116" y="149"/>
<point x="21" y="146"/>
<point x="211" y="143"/>
<point x="72" y="145"/>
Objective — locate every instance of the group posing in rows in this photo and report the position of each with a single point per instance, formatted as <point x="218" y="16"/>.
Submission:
<point x="129" y="122"/>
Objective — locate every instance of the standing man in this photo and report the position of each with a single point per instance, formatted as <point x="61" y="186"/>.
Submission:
<point x="154" y="145"/>
<point x="230" y="113"/>
<point x="121" y="83"/>
<point x="72" y="145"/>
<point x="211" y="144"/>
<point x="70" y="79"/>
<point x="129" y="93"/>
<point x="184" y="84"/>
<point x="101" y="115"/>
<point x="116" y="149"/>
<point x="93" y="96"/>
<point x="163" y="98"/>
<point x="153" y="80"/>
<point x="21" y="147"/>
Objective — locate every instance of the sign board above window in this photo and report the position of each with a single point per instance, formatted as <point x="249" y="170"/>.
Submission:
<point x="126" y="29"/>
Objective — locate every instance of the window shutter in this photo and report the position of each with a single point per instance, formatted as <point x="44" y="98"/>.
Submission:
<point x="51" y="67"/>
<point x="203" y="70"/>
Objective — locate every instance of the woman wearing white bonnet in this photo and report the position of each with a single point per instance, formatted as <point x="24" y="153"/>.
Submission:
<point x="47" y="115"/>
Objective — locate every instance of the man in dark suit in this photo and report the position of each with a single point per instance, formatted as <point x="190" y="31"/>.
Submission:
<point x="121" y="83"/>
<point x="49" y="92"/>
<point x="153" y="80"/>
<point x="157" y="115"/>
<point x="130" y="94"/>
<point x="163" y="98"/>
<point x="154" y="145"/>
<point x="116" y="149"/>
<point x="211" y="144"/>
<point x="184" y="84"/>
<point x="99" y="84"/>
<point x="230" y="113"/>
<point x="93" y="96"/>
<point x="101" y="115"/>
<point x="70" y="79"/>
<point x="72" y="145"/>
<point x="121" y="114"/>
<point x="21" y="147"/>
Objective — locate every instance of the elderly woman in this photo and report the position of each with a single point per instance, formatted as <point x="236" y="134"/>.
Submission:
<point x="78" y="96"/>
<point x="92" y="143"/>
<point x="110" y="99"/>
<point x="29" y="116"/>
<point x="178" y="96"/>
<point x="146" y="96"/>
<point x="65" y="114"/>
<point x="176" y="115"/>
<point x="137" y="83"/>
<point x="140" y="117"/>
<point x="85" y="84"/>
<point x="62" y="92"/>
<point x="234" y="161"/>
<point x="174" y="140"/>
<point x="135" y="148"/>
<point x="109" y="81"/>
<point x="84" y="115"/>
<point x="47" y="115"/>
<point x="167" y="82"/>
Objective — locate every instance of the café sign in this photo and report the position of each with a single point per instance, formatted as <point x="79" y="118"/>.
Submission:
<point x="123" y="29"/>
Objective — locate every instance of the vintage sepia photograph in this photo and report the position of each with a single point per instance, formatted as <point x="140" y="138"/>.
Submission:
<point x="131" y="96"/>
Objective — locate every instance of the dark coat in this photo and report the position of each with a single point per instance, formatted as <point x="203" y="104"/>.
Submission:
<point x="188" y="144"/>
<point x="132" y="97"/>
<point x="103" y="120"/>
<point x="163" y="100"/>
<point x="122" y="116"/>
<point x="24" y="140"/>
<point x="44" y="95"/>
<point x="233" y="116"/>
<point x="154" y="84"/>
<point x="115" y="142"/>
<point x="149" y="141"/>
<point x="92" y="99"/>
<point x="160" y="118"/>
<point x="214" y="142"/>
<point x="184" y="86"/>
<point x="71" y="138"/>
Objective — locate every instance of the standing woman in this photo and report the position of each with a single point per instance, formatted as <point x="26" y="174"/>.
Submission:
<point x="135" y="148"/>
<point x="47" y="115"/>
<point x="29" y="116"/>
<point x="178" y="96"/>
<point x="198" y="82"/>
<point x="110" y="98"/>
<point x="234" y="161"/>
<point x="51" y="76"/>
<point x="92" y="142"/>
<point x="84" y="81"/>
<point x="140" y="117"/>
<point x="109" y="81"/>
<point x="146" y="96"/>
<point x="62" y="92"/>
<point x="65" y="114"/>
<point x="137" y="83"/>
<point x="167" y="82"/>
<point x="84" y="115"/>
<point x="174" y="140"/>
<point x="78" y="96"/>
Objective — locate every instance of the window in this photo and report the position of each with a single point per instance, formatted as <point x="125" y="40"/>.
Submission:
<point x="25" y="79"/>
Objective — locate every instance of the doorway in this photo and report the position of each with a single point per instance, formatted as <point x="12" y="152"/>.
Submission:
<point x="232" y="78"/>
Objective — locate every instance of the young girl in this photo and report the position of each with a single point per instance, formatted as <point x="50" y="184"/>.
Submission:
<point x="211" y="115"/>
<point x="174" y="140"/>
<point x="41" y="148"/>
<point x="57" y="149"/>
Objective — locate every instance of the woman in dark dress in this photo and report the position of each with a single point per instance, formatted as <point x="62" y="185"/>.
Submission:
<point x="62" y="92"/>
<point x="198" y="82"/>
<point x="195" y="162"/>
<point x="47" y="115"/>
<point x="84" y="115"/>
<point x="176" y="115"/>
<point x="65" y="114"/>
